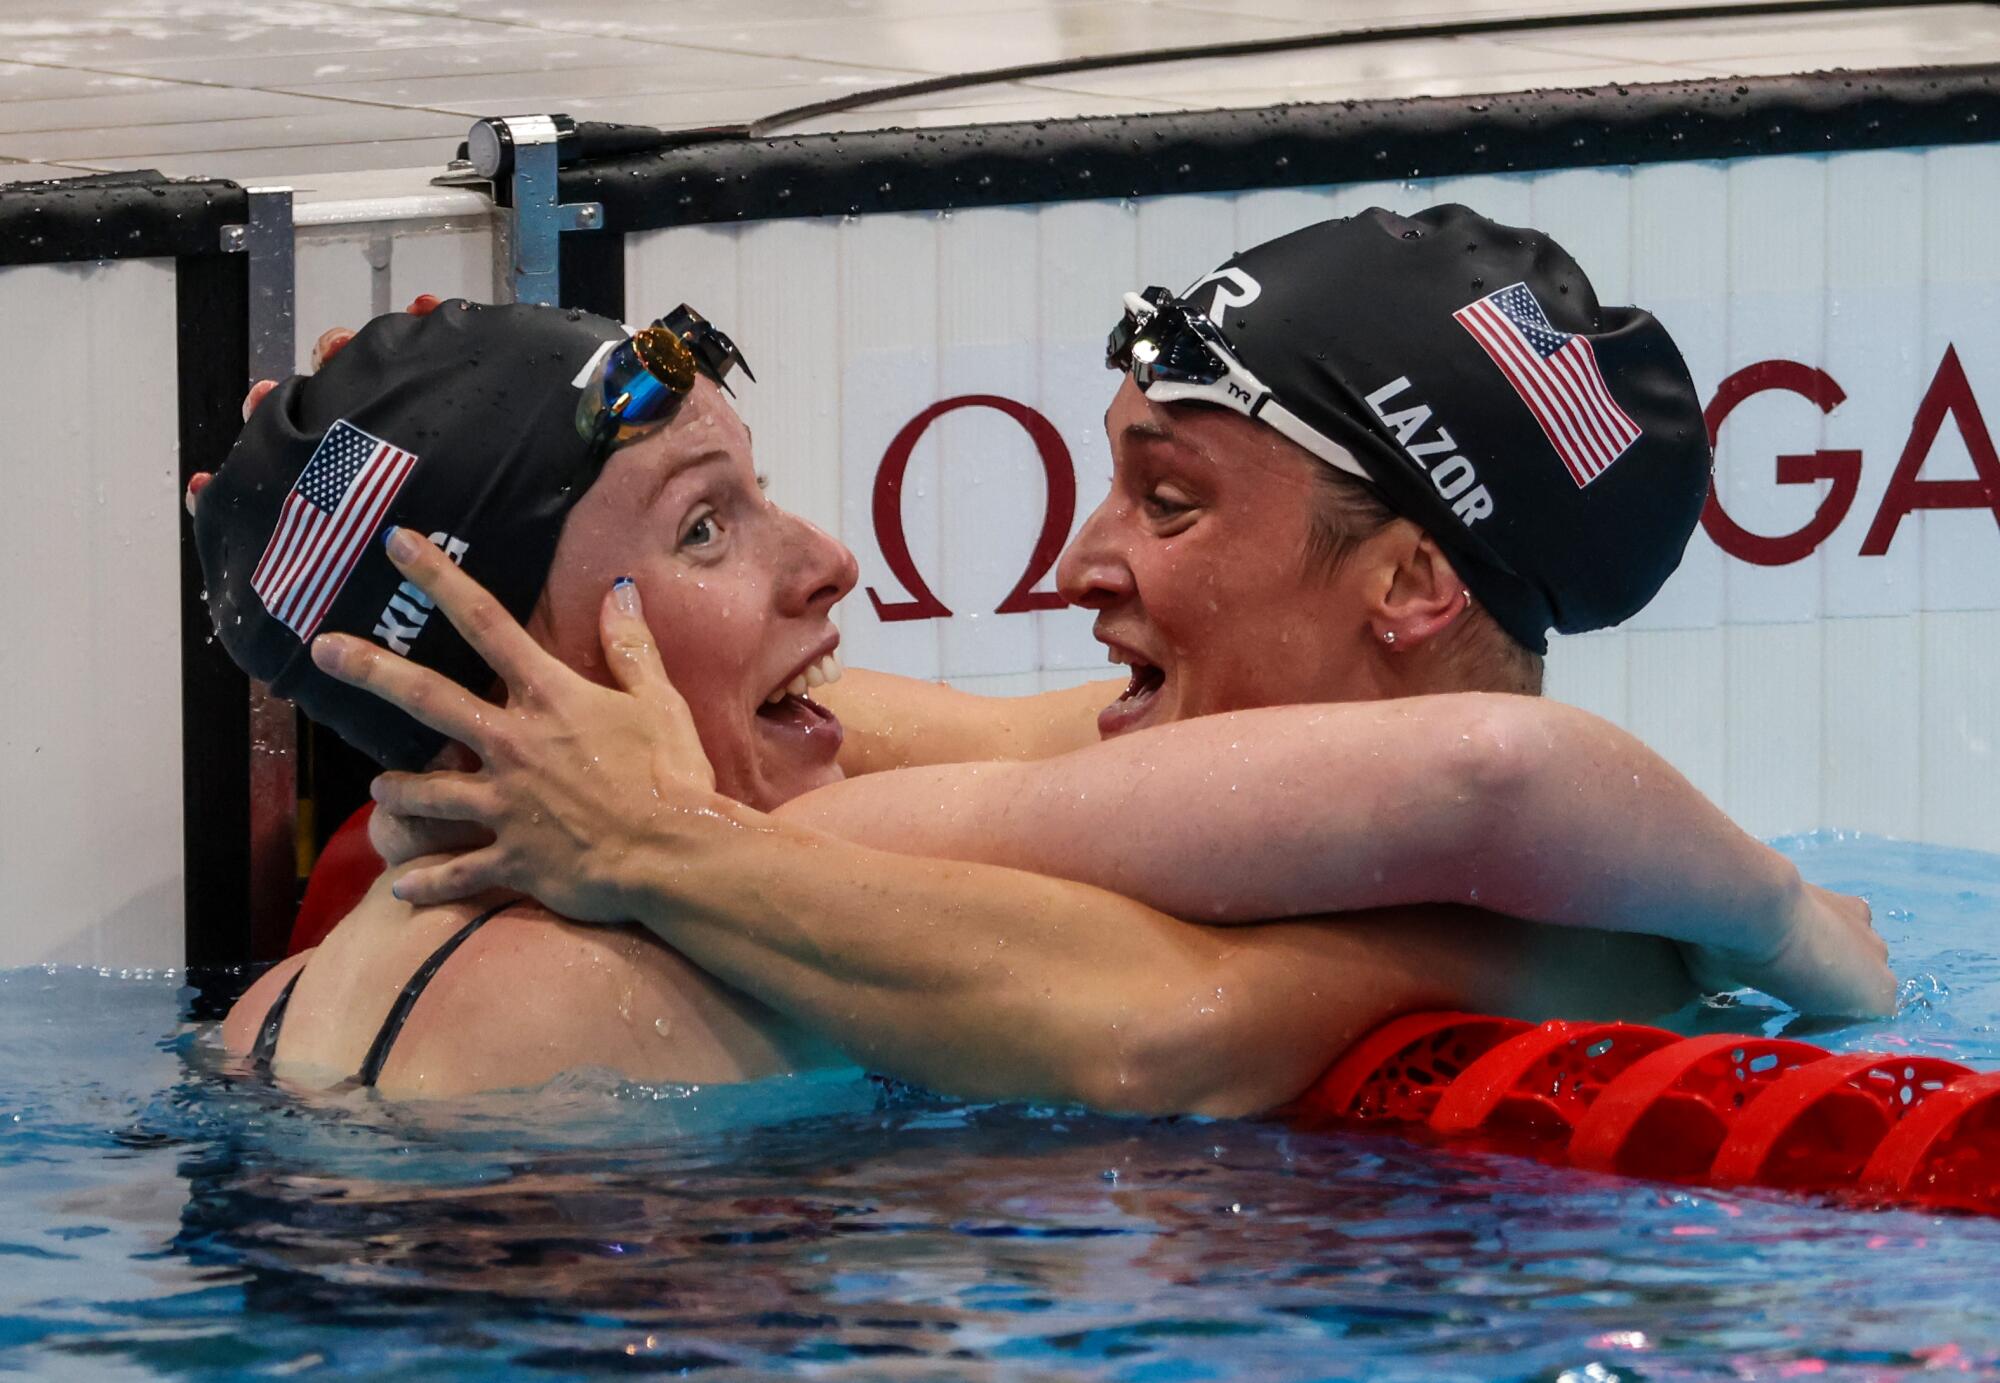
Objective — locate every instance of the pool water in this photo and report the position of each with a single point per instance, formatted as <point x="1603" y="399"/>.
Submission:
<point x="159" y="1216"/>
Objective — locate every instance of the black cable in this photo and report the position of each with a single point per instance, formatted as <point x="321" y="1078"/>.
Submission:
<point x="771" y="124"/>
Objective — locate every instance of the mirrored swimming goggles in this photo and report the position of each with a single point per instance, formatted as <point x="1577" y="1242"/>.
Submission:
<point x="640" y="383"/>
<point x="1175" y="355"/>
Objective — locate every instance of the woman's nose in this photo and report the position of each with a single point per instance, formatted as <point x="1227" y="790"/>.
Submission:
<point x="823" y="570"/>
<point x="1093" y="572"/>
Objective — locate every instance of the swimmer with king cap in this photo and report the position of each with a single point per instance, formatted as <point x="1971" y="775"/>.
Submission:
<point x="1314" y="721"/>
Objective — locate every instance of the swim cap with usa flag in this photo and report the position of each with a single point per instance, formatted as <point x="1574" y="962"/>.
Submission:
<point x="1553" y="446"/>
<point x="459" y="425"/>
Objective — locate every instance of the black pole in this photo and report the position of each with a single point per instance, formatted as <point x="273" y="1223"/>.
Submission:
<point x="592" y="264"/>
<point x="212" y="309"/>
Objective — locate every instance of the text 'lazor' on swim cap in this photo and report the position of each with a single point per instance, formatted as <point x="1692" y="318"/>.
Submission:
<point x="459" y="425"/>
<point x="1553" y="446"/>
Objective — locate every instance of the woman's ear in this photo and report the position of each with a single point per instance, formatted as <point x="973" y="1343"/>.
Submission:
<point x="1422" y="595"/>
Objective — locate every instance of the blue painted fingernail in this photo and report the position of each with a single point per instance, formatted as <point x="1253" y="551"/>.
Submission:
<point x="401" y="543"/>
<point x="625" y="595"/>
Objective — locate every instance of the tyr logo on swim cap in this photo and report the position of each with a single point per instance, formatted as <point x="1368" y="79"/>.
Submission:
<point x="1553" y="446"/>
<point x="460" y="425"/>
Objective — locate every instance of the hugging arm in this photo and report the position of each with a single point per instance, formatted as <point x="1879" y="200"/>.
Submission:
<point x="987" y="982"/>
<point x="1516" y="804"/>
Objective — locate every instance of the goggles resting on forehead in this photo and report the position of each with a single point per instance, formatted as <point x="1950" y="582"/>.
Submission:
<point x="1176" y="355"/>
<point x="641" y="382"/>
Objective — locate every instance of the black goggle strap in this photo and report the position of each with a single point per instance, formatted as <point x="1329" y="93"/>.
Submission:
<point x="714" y="353"/>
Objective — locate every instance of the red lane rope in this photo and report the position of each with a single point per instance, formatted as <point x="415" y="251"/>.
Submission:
<point x="1718" y="1110"/>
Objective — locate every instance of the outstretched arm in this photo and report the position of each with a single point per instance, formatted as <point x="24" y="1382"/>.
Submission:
<point x="902" y="722"/>
<point x="1515" y="804"/>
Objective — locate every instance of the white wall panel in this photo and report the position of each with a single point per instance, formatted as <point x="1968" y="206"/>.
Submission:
<point x="349" y="273"/>
<point x="1590" y="670"/>
<point x="1677" y="702"/>
<point x="1182" y="238"/>
<point x="1089" y="256"/>
<point x="1776" y="307"/>
<point x="1960" y="714"/>
<point x="992" y="490"/>
<point x="1680" y="273"/>
<point x="1962" y="292"/>
<point x="1589" y="212"/>
<point x="1872" y="691"/>
<point x="1874" y="294"/>
<point x="792" y="341"/>
<point x="889" y="368"/>
<point x="445" y="263"/>
<point x="1772" y="721"/>
<point x="342" y="282"/>
<point x="90" y="722"/>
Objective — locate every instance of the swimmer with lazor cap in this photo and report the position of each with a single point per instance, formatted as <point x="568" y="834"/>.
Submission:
<point x="989" y="981"/>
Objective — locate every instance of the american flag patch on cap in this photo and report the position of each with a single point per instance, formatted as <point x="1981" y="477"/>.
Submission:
<point x="333" y="512"/>
<point x="1556" y="375"/>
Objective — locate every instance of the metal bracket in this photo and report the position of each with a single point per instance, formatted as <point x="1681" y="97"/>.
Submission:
<point x="275" y="856"/>
<point x="520" y="155"/>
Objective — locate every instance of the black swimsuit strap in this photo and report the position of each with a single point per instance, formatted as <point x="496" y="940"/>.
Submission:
<point x="378" y="1054"/>
<point x="266" y="1045"/>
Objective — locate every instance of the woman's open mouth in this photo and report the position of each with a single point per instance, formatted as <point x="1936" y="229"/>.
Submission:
<point x="790" y="711"/>
<point x="1138" y="699"/>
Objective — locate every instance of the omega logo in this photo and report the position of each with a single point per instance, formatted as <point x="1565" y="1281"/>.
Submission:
<point x="1057" y="468"/>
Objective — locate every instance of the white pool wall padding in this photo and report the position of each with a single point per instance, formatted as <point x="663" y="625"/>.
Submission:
<point x="90" y="716"/>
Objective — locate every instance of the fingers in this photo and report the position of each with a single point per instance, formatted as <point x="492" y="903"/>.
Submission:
<point x="400" y="839"/>
<point x="423" y="305"/>
<point x="439" y="796"/>
<point x="329" y="344"/>
<point x="461" y="877"/>
<point x="256" y="396"/>
<point x="196" y="484"/>
<point x="629" y="648"/>
<point x="493" y="633"/>
<point x="435" y="700"/>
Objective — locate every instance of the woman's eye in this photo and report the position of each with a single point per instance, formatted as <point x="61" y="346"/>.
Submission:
<point x="1162" y="506"/>
<point x="699" y="533"/>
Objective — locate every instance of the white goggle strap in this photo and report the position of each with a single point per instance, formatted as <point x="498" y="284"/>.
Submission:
<point x="1288" y="424"/>
<point x="1250" y="398"/>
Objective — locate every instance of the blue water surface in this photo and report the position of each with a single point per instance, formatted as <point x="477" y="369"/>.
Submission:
<point x="159" y="1216"/>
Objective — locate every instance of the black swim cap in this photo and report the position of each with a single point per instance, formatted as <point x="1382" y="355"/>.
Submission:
<point x="460" y="425"/>
<point x="1554" y="447"/>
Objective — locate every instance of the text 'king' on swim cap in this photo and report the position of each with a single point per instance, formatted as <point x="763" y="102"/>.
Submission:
<point x="460" y="425"/>
<point x="1553" y="446"/>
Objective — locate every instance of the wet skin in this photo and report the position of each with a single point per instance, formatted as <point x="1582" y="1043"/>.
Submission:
<point x="1193" y="565"/>
<point x="736" y="591"/>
